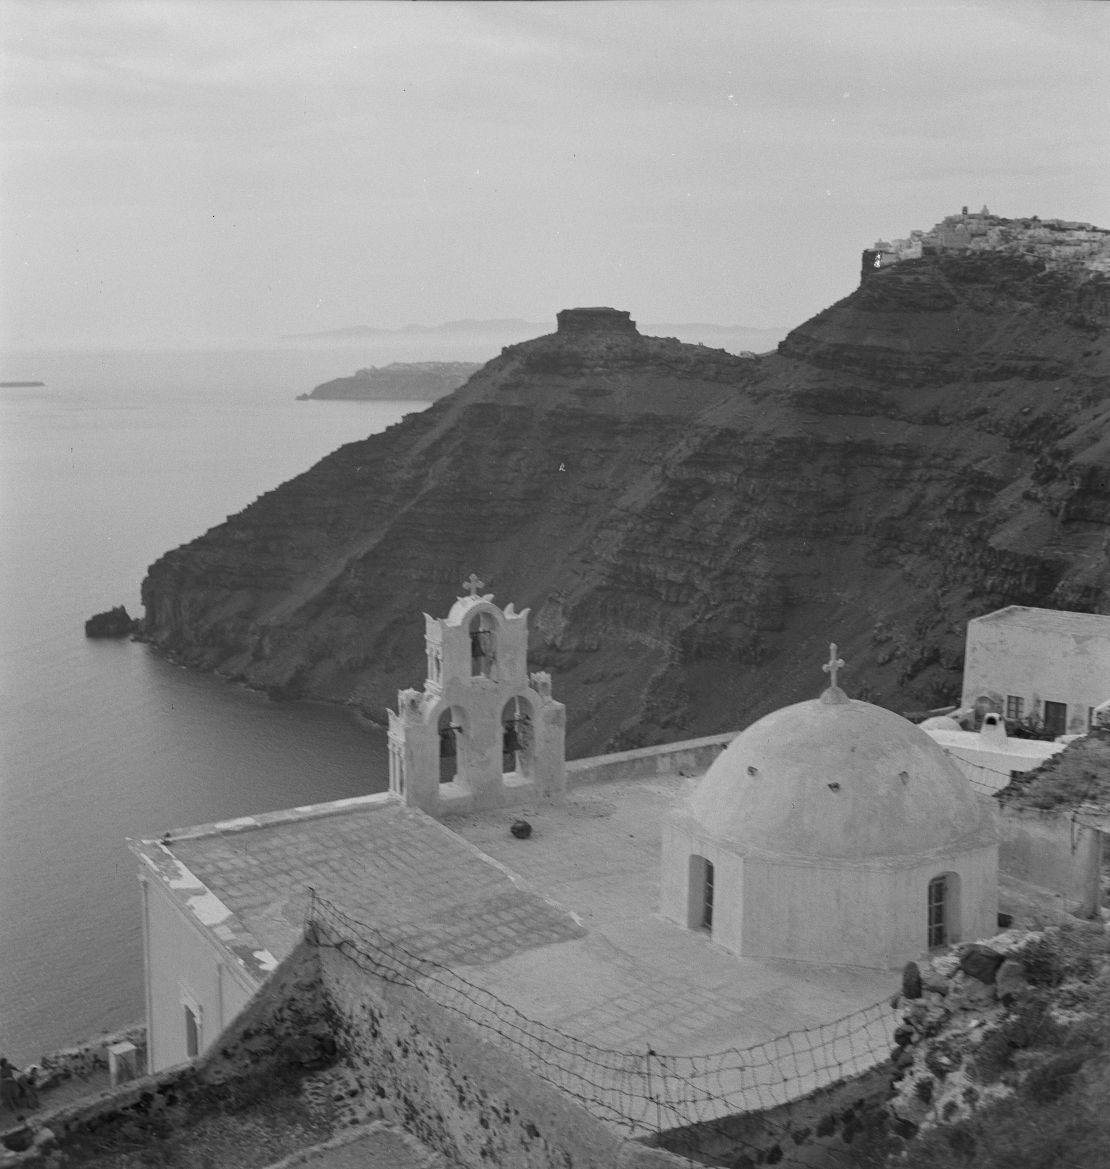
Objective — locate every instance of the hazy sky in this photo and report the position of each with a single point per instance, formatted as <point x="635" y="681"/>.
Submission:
<point x="220" y="169"/>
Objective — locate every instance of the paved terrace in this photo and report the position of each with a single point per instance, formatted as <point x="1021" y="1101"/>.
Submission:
<point x="563" y="925"/>
<point x="632" y="980"/>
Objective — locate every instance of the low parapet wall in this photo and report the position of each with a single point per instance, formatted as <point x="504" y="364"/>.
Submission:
<point x="1055" y="851"/>
<point x="688" y="757"/>
<point x="457" y="1093"/>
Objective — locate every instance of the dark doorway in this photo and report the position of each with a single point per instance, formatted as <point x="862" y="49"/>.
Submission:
<point x="1055" y="718"/>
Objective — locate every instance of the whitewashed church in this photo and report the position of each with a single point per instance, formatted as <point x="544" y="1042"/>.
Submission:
<point x="767" y="880"/>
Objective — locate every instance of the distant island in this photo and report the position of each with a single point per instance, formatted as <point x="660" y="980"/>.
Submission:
<point x="19" y="385"/>
<point x="420" y="381"/>
<point x="509" y="325"/>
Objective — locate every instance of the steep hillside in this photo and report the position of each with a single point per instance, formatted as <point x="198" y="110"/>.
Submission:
<point x="689" y="527"/>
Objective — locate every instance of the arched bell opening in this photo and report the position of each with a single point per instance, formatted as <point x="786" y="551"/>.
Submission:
<point x="452" y="733"/>
<point x="483" y="644"/>
<point x="518" y="744"/>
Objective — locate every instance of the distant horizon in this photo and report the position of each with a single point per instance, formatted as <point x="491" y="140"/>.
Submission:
<point x="354" y="335"/>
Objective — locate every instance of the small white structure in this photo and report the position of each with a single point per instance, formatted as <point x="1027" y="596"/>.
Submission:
<point x="483" y="732"/>
<point x="989" y="757"/>
<point x="832" y="831"/>
<point x="1046" y="664"/>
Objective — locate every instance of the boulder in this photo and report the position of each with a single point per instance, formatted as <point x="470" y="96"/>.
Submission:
<point x="1010" y="981"/>
<point x="981" y="962"/>
<point x="115" y="622"/>
<point x="911" y="981"/>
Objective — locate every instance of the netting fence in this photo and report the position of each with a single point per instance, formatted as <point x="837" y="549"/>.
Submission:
<point x="641" y="1092"/>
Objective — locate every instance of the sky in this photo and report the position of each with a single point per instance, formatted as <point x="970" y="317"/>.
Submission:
<point x="222" y="171"/>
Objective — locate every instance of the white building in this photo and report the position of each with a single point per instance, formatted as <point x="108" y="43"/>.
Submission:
<point x="1045" y="664"/>
<point x="832" y="831"/>
<point x="989" y="757"/>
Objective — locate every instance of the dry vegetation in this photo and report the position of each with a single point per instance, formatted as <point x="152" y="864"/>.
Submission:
<point x="1054" y="1049"/>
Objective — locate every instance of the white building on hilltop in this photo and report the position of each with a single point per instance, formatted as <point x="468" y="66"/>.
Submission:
<point x="1046" y="665"/>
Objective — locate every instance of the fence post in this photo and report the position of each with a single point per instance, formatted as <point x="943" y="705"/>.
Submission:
<point x="651" y="1094"/>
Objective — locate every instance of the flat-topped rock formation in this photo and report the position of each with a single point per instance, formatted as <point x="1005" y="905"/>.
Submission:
<point x="690" y="526"/>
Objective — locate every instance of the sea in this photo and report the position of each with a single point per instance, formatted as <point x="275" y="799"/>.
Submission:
<point x="117" y="458"/>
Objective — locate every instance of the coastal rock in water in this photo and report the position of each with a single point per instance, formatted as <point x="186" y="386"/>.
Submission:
<point x="691" y="528"/>
<point x="115" y="622"/>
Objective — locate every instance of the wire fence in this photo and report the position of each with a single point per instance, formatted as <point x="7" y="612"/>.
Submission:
<point x="643" y="1092"/>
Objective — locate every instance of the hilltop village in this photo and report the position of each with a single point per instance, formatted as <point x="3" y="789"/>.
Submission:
<point x="1056" y="242"/>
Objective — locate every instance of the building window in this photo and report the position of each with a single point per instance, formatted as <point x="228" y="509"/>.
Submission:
<point x="1014" y="707"/>
<point x="707" y="899"/>
<point x="699" y="904"/>
<point x="938" y="912"/>
<point x="1055" y="718"/>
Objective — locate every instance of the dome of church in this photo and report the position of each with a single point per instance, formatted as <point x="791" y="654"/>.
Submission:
<point x="836" y="778"/>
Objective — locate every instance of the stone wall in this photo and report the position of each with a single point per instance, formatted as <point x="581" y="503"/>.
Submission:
<point x="284" y="1026"/>
<point x="1054" y="851"/>
<point x="83" y="1059"/>
<point x="281" y="1034"/>
<point x="460" y="1095"/>
<point x="688" y="757"/>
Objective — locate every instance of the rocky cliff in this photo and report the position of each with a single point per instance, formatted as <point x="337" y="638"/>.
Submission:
<point x="692" y="528"/>
<point x="400" y="381"/>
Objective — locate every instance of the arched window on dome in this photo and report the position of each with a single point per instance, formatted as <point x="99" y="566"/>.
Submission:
<point x="943" y="911"/>
<point x="699" y="909"/>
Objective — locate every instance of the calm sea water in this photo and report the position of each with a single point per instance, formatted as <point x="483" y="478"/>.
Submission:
<point x="119" y="458"/>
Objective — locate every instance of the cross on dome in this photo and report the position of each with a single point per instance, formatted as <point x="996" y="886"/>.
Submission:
<point x="833" y="664"/>
<point x="833" y="694"/>
<point x="473" y="585"/>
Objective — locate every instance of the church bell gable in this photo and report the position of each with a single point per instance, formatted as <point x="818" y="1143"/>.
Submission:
<point x="483" y="732"/>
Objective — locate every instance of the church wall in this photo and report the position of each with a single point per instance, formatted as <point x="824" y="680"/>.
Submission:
<point x="472" y="1101"/>
<point x="873" y="916"/>
<point x="185" y="967"/>
<point x="680" y="900"/>
<point x="1053" y="851"/>
<point x="823" y="913"/>
<point x="1038" y="662"/>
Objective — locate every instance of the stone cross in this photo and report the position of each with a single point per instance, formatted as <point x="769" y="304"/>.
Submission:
<point x="474" y="584"/>
<point x="833" y="664"/>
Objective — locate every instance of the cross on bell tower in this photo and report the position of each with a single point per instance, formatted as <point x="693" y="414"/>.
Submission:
<point x="833" y="694"/>
<point x="473" y="585"/>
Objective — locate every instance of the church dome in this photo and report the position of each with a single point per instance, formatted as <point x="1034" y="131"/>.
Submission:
<point x="836" y="778"/>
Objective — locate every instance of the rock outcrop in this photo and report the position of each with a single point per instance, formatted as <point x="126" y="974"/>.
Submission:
<point x="691" y="528"/>
<point x="401" y="381"/>
<point x="115" y="622"/>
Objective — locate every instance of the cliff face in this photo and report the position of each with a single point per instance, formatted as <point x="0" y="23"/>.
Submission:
<point x="692" y="528"/>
